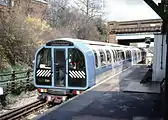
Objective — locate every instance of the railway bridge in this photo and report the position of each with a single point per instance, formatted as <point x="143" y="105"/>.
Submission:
<point x="125" y="32"/>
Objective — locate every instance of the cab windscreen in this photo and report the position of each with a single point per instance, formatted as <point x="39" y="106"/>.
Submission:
<point x="43" y="67"/>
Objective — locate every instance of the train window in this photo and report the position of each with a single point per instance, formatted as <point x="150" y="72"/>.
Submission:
<point x="102" y="57"/>
<point x="44" y="58"/>
<point x="76" y="68"/>
<point x="135" y="54"/>
<point x="114" y="56"/>
<point x="43" y="63"/>
<point x="139" y="54"/>
<point x="128" y="55"/>
<point x="122" y="55"/>
<point x="96" y="58"/>
<point x="119" y="55"/>
<point x="108" y="56"/>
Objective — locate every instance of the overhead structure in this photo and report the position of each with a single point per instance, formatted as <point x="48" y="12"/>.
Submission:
<point x="135" y="26"/>
<point x="162" y="10"/>
<point x="157" y="8"/>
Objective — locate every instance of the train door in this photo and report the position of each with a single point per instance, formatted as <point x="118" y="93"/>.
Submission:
<point x="76" y="69"/>
<point x="59" y="68"/>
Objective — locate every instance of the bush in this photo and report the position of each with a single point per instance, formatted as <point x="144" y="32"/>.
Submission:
<point x="20" y="36"/>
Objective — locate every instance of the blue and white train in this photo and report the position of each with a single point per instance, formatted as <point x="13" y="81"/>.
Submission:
<point x="69" y="66"/>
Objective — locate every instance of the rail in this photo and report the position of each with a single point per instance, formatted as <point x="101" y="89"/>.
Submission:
<point x="23" y="111"/>
<point x="16" y="79"/>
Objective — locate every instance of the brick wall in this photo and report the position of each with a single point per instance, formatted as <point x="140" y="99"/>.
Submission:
<point x="112" y="38"/>
<point x="31" y="7"/>
<point x="37" y="9"/>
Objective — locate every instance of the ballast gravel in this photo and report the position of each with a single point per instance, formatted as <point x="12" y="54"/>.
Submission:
<point x="18" y="101"/>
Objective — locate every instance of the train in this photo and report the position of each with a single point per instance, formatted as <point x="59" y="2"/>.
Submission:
<point x="66" y="67"/>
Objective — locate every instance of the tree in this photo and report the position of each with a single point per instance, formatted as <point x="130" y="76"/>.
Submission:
<point x="91" y="8"/>
<point x="56" y="11"/>
<point x="79" y="20"/>
<point x="19" y="35"/>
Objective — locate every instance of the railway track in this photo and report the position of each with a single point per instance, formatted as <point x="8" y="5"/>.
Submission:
<point x="21" y="112"/>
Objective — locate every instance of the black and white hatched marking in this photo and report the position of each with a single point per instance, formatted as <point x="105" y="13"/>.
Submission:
<point x="76" y="74"/>
<point x="43" y="73"/>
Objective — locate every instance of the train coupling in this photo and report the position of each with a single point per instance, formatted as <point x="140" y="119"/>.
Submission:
<point x="56" y="99"/>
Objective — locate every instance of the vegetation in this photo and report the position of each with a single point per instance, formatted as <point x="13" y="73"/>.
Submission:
<point x="21" y="34"/>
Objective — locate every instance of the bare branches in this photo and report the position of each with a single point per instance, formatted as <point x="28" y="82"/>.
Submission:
<point x="91" y="8"/>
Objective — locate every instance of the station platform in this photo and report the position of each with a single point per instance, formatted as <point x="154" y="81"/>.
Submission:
<point x="108" y="101"/>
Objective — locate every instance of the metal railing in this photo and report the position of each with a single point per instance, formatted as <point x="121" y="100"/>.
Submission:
<point x="16" y="79"/>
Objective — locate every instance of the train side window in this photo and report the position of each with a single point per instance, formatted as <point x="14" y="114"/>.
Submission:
<point x="96" y="58"/>
<point x="108" y="56"/>
<point x="126" y="54"/>
<point x="138" y="54"/>
<point x="102" y="57"/>
<point x="113" y="55"/>
<point x="123" y="56"/>
<point x="129" y="54"/>
<point x="135" y="54"/>
<point x="116" y="55"/>
<point x="119" y="55"/>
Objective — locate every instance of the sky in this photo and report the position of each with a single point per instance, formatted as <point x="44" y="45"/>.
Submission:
<point x="123" y="10"/>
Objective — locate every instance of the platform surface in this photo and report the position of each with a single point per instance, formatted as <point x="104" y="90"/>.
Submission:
<point x="107" y="101"/>
<point x="144" y="88"/>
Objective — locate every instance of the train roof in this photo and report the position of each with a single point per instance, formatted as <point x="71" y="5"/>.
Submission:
<point x="74" y="40"/>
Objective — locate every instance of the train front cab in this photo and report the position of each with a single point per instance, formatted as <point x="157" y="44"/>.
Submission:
<point x="62" y="69"/>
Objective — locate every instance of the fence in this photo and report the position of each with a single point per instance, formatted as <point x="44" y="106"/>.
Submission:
<point x="10" y="82"/>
